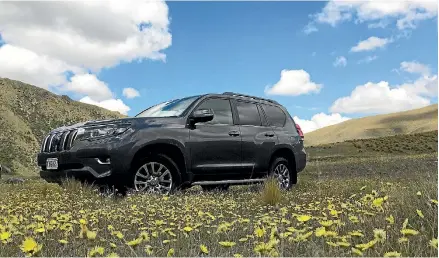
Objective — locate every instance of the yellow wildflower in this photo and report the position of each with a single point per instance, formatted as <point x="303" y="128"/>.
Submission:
<point x="227" y="243"/>
<point x="392" y="254"/>
<point x="408" y="231"/>
<point x="203" y="249"/>
<point x="303" y="218"/>
<point x="96" y="250"/>
<point x="5" y="237"/>
<point x="356" y="251"/>
<point x="187" y="229"/>
<point x="390" y="219"/>
<point x="433" y="243"/>
<point x="259" y="232"/>
<point x="30" y="247"/>
<point x="380" y="235"/>
<point x="402" y="240"/>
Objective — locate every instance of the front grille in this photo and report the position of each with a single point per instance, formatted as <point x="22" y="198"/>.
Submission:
<point x="59" y="141"/>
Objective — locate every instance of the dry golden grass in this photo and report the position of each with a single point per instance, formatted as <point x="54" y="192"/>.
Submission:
<point x="412" y="121"/>
<point x="271" y="193"/>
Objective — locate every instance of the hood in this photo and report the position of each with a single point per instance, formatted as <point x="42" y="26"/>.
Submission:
<point x="145" y="121"/>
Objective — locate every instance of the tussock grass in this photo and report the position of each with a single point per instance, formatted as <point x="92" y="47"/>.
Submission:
<point x="271" y="194"/>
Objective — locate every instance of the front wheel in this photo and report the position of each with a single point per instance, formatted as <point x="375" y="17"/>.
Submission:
<point x="280" y="169"/>
<point x="157" y="174"/>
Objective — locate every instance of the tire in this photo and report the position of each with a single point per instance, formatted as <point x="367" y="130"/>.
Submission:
<point x="165" y="180"/>
<point x="222" y="187"/>
<point x="287" y="178"/>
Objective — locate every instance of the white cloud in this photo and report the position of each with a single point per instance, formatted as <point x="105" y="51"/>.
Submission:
<point x="367" y="59"/>
<point x="88" y="84"/>
<point x="425" y="86"/>
<point x="21" y="64"/>
<point x="319" y="120"/>
<point x="310" y="28"/>
<point x="406" y="14"/>
<point x="415" y="67"/>
<point x="130" y="93"/>
<point x="379" y="98"/>
<point x="340" y="61"/>
<point x="110" y="104"/>
<point x="45" y="41"/>
<point x="370" y="44"/>
<point x="73" y="32"/>
<point x="293" y="83"/>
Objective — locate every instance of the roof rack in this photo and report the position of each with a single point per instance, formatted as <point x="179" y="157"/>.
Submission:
<point x="248" y="96"/>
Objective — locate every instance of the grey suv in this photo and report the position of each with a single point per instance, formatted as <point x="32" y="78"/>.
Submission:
<point x="212" y="140"/>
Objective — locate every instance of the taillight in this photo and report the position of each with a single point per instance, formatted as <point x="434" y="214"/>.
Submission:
<point x="299" y="130"/>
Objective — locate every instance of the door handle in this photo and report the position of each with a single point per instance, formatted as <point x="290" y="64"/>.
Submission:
<point x="269" y="134"/>
<point x="234" y="133"/>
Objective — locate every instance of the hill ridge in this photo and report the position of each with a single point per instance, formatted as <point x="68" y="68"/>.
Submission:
<point x="411" y="121"/>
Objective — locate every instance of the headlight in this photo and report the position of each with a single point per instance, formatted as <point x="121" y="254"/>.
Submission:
<point x="101" y="131"/>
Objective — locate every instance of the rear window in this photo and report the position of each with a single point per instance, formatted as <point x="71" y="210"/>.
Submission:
<point x="275" y="115"/>
<point x="248" y="113"/>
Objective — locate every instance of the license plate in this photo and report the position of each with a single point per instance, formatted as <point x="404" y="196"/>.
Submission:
<point x="52" y="163"/>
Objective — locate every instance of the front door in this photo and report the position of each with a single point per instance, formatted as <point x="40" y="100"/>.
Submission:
<point x="215" y="146"/>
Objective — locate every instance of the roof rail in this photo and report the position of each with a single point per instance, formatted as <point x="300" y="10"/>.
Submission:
<point x="248" y="96"/>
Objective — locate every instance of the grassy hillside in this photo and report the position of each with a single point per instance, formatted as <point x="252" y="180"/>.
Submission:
<point x="412" y="121"/>
<point x="27" y="113"/>
<point x="404" y="144"/>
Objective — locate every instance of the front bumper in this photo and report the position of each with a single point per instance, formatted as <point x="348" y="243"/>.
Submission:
<point x="85" y="163"/>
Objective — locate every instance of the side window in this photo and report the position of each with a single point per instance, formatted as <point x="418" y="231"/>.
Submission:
<point x="275" y="115"/>
<point x="221" y="109"/>
<point x="248" y="113"/>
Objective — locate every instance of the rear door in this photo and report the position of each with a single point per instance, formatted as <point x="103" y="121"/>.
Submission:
<point x="215" y="146"/>
<point x="258" y="139"/>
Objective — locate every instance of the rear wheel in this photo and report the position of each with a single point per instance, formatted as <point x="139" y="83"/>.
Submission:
<point x="156" y="174"/>
<point x="281" y="170"/>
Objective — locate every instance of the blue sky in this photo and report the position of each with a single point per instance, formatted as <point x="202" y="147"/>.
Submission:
<point x="242" y="47"/>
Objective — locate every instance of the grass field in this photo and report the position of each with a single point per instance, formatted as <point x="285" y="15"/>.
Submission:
<point x="376" y="204"/>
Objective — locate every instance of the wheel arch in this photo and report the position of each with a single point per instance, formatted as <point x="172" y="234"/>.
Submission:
<point x="170" y="148"/>
<point x="287" y="153"/>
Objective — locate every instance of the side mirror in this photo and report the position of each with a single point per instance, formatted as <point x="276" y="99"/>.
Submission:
<point x="202" y="115"/>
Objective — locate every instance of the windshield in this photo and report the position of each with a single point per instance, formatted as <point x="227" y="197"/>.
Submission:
<point x="170" y="108"/>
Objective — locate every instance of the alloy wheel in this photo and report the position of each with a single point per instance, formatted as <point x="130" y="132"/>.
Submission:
<point x="153" y="177"/>
<point x="282" y="174"/>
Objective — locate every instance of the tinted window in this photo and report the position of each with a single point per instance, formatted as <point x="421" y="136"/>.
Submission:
<point x="275" y="115"/>
<point x="221" y="109"/>
<point x="248" y="113"/>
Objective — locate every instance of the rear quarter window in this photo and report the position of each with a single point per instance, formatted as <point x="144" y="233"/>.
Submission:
<point x="275" y="115"/>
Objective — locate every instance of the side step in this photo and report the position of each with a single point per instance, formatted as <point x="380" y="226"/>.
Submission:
<point x="241" y="181"/>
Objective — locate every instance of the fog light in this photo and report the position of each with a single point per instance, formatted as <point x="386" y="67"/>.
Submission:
<point x="103" y="161"/>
